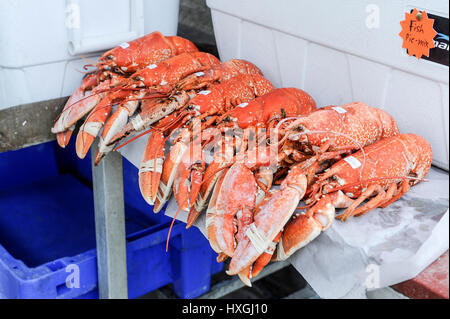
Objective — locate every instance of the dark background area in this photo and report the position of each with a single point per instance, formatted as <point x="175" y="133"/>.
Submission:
<point x="195" y="24"/>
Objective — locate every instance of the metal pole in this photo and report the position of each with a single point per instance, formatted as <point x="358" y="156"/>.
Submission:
<point x="110" y="226"/>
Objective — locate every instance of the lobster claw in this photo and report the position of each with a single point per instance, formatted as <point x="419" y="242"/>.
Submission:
<point x="151" y="167"/>
<point x="229" y="206"/>
<point x="92" y="126"/>
<point x="236" y="198"/>
<point x="89" y="82"/>
<point x="304" y="228"/>
<point x="168" y="174"/>
<point x="151" y="111"/>
<point x="237" y="207"/>
<point x="211" y="227"/>
<point x="188" y="179"/>
<point x="212" y="174"/>
<point x="272" y="214"/>
<point x="252" y="271"/>
<point x="63" y="137"/>
<point x="79" y="104"/>
<point x="114" y="124"/>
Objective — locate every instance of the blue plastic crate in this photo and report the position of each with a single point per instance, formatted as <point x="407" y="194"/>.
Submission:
<point x="47" y="223"/>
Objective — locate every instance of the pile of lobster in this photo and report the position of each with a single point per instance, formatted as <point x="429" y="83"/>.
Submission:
<point x="226" y="142"/>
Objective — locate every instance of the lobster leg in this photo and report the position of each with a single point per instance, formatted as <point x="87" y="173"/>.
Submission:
<point x="371" y="204"/>
<point x="390" y="193"/>
<point x="404" y="188"/>
<point x="382" y="199"/>
<point x="370" y="191"/>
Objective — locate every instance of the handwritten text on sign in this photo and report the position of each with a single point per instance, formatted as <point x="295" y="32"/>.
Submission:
<point x="417" y="33"/>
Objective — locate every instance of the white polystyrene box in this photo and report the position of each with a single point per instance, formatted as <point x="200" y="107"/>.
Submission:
<point x="336" y="52"/>
<point x="43" y="49"/>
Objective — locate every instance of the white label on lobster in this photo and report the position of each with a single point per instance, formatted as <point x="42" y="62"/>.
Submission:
<point x="339" y="109"/>
<point x="199" y="73"/>
<point x="151" y="66"/>
<point x="354" y="163"/>
<point x="124" y="45"/>
<point x="204" y="92"/>
<point x="242" y="105"/>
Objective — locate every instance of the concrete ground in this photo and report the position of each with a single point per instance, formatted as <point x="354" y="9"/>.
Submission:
<point x="284" y="283"/>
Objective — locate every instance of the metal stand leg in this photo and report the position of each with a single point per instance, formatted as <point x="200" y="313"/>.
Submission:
<point x="110" y="226"/>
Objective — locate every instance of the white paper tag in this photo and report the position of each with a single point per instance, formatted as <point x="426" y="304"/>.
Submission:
<point x="124" y="45"/>
<point x="354" y="163"/>
<point x="242" y="105"/>
<point x="151" y="66"/>
<point x="199" y="73"/>
<point x="339" y="109"/>
<point x="204" y="92"/>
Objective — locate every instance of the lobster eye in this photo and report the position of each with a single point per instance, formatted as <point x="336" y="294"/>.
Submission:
<point x="300" y="128"/>
<point x="109" y="57"/>
<point x="137" y="78"/>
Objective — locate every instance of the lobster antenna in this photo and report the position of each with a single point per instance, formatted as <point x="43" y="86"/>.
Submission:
<point x="286" y="119"/>
<point x="307" y="206"/>
<point x="86" y="72"/>
<point x="143" y="133"/>
<point x="278" y="126"/>
<point x="69" y="107"/>
<point x="114" y="89"/>
<point x="262" y="186"/>
<point x="217" y="171"/>
<point x="378" y="179"/>
<point x="170" y="229"/>
<point x="91" y="61"/>
<point x="132" y="139"/>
